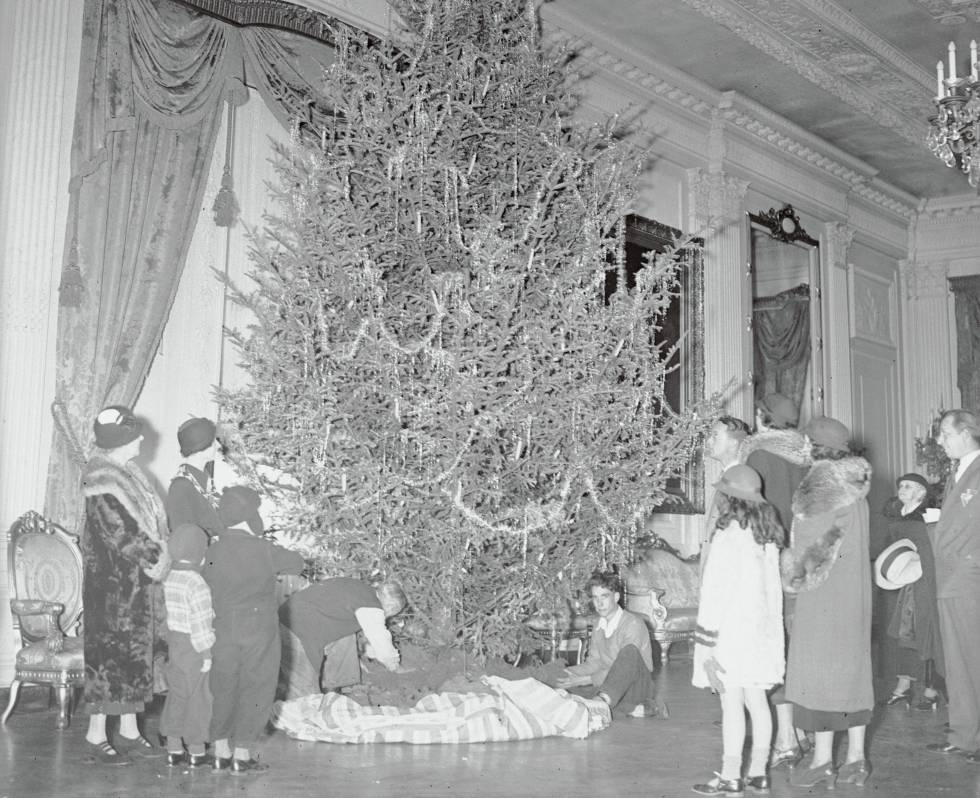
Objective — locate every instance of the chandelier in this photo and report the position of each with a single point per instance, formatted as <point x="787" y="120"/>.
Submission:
<point x="954" y="136"/>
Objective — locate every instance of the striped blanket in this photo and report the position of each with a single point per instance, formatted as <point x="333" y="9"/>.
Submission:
<point x="511" y="710"/>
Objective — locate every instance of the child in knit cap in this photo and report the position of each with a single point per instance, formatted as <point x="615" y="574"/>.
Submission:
<point x="187" y="712"/>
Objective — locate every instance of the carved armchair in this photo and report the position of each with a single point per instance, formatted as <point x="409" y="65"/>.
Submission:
<point x="46" y="569"/>
<point x="663" y="588"/>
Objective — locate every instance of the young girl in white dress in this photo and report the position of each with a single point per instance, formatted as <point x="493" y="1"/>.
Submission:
<point x="739" y="648"/>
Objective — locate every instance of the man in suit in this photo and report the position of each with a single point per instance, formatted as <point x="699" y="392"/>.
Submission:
<point x="956" y="544"/>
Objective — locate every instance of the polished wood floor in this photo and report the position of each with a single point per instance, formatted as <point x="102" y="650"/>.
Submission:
<point x="647" y="758"/>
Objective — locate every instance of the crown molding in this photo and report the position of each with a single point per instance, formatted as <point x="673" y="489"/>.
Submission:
<point x="646" y="79"/>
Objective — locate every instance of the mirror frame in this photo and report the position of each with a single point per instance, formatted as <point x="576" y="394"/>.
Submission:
<point x="784" y="225"/>
<point x="686" y="490"/>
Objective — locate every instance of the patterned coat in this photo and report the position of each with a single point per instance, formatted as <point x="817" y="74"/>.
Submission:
<point x="124" y="549"/>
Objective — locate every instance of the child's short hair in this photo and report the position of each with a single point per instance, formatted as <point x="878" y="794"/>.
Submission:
<point x="760" y="517"/>
<point x="609" y="580"/>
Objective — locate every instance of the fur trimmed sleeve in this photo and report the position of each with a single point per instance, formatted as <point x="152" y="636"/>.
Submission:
<point x="806" y="564"/>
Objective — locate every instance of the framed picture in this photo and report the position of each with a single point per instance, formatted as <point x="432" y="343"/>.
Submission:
<point x="683" y="322"/>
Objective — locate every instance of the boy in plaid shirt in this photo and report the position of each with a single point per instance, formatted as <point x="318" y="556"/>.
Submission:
<point x="187" y="710"/>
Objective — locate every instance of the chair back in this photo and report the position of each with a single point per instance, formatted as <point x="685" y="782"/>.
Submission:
<point x="45" y="564"/>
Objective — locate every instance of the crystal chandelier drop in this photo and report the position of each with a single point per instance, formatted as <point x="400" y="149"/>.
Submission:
<point x="954" y="135"/>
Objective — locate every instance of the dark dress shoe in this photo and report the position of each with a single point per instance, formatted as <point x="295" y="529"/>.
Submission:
<point x="221" y="763"/>
<point x="104" y="754"/>
<point x="759" y="784"/>
<point x="946" y="748"/>
<point x="176" y="758"/>
<point x="248" y="766"/>
<point x="974" y="758"/>
<point x="720" y="786"/>
<point x="198" y="760"/>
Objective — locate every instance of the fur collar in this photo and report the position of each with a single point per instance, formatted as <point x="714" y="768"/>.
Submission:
<point x="789" y="444"/>
<point x="831" y="485"/>
<point x="129" y="485"/>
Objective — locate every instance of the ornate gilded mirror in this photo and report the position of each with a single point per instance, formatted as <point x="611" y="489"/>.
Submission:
<point x="786" y="326"/>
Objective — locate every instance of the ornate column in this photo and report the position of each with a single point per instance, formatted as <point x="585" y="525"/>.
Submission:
<point x="39" y="53"/>
<point x="717" y="215"/>
<point x="835" y="317"/>
<point x="928" y="343"/>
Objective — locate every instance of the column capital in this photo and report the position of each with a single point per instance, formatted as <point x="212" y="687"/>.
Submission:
<point x="717" y="198"/>
<point x="924" y="279"/>
<point x="838" y="236"/>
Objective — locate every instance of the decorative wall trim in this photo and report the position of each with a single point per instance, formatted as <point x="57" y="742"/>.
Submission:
<point x="874" y="308"/>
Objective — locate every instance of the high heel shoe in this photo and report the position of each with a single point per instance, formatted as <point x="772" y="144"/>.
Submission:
<point x="855" y="773"/>
<point x="811" y="777"/>
<point x="900" y="698"/>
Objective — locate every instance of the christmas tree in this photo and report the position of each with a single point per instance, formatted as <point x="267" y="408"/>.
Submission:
<point x="437" y="366"/>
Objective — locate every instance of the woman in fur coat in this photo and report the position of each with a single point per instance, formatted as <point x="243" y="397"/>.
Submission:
<point x="828" y="669"/>
<point x="124" y="549"/>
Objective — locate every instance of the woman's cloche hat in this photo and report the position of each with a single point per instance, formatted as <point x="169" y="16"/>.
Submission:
<point x="741" y="481"/>
<point x="116" y="426"/>
<point x="898" y="565"/>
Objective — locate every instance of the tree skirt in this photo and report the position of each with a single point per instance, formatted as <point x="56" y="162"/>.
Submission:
<point x="506" y="710"/>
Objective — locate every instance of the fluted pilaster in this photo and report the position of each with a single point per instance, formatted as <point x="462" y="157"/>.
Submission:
<point x="39" y="52"/>
<point x="928" y="342"/>
<point x="836" y="335"/>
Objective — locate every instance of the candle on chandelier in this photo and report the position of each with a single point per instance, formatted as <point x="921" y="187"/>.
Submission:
<point x="973" y="60"/>
<point x="952" y="61"/>
<point x="940" y="91"/>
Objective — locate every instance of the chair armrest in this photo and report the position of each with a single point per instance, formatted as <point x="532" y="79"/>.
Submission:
<point x="658" y="610"/>
<point x="51" y="610"/>
<point x="647" y="605"/>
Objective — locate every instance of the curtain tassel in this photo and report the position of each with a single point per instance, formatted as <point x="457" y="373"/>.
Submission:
<point x="225" y="207"/>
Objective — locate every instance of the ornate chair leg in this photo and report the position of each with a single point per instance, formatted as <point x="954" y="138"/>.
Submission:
<point x="14" y="690"/>
<point x="64" y="705"/>
<point x="666" y="650"/>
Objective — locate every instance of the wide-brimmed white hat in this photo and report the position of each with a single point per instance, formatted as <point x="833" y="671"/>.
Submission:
<point x="898" y="565"/>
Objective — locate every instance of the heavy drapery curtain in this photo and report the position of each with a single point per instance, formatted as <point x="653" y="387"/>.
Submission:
<point x="782" y="343"/>
<point x="153" y="80"/>
<point x="966" y="293"/>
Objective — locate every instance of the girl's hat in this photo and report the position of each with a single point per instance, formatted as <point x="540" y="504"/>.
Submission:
<point x="898" y="565"/>
<point x="195" y="435"/>
<point x="741" y="481"/>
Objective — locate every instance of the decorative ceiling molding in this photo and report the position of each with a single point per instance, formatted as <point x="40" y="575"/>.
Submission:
<point x="835" y="52"/>
<point x="686" y="95"/>
<point x="953" y="12"/>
